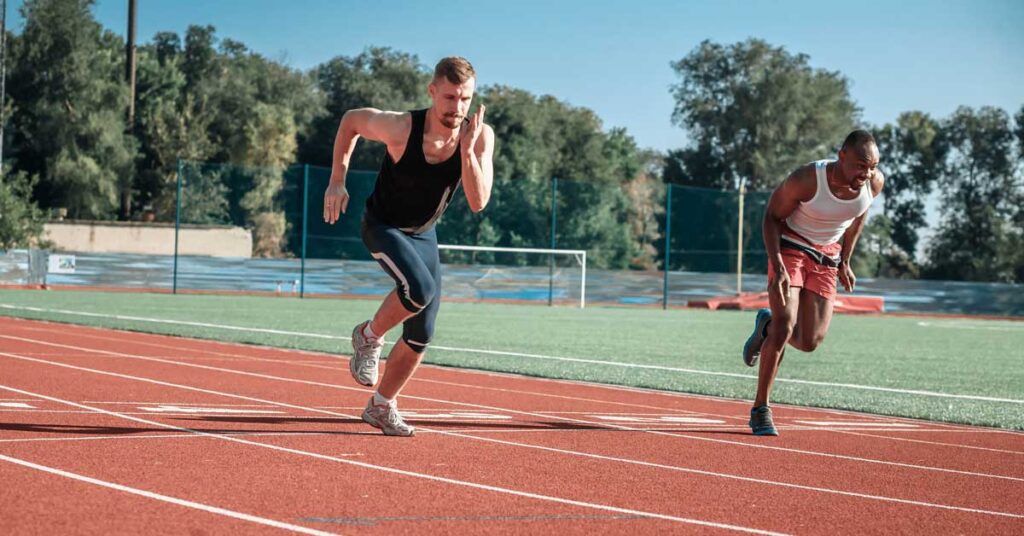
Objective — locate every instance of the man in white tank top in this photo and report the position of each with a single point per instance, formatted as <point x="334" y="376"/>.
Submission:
<point x="811" y="226"/>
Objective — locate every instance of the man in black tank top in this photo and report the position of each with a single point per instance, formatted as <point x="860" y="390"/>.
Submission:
<point x="429" y="154"/>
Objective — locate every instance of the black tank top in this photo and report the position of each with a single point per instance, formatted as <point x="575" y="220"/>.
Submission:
<point x="411" y="194"/>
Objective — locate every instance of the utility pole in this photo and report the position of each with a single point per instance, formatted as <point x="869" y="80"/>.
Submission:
<point x="3" y="77"/>
<point x="130" y="62"/>
<point x="129" y="50"/>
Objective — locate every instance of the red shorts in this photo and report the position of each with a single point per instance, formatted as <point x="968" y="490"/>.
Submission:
<point x="804" y="272"/>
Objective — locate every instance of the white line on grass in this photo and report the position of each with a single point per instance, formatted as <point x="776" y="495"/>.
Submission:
<point x="960" y="325"/>
<point x="525" y="355"/>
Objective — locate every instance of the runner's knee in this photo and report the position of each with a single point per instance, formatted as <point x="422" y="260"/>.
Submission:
<point x="417" y="346"/>
<point x="418" y="331"/>
<point x="781" y="327"/>
<point x="417" y="292"/>
<point x="813" y="341"/>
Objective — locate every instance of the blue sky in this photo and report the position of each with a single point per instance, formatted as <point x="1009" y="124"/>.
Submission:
<point x="613" y="57"/>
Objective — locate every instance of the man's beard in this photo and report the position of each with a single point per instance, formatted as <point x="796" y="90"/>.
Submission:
<point x="450" y="121"/>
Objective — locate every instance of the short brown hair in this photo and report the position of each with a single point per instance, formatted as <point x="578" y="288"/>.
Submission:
<point x="455" y="69"/>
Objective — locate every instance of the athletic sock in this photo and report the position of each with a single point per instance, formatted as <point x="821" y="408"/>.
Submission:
<point x="367" y="332"/>
<point x="379" y="400"/>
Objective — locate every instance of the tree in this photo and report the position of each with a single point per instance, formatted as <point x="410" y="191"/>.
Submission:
<point x="645" y="192"/>
<point x="540" y="138"/>
<point x="199" y="53"/>
<point x="217" y="100"/>
<point x="1018" y="131"/>
<point x="66" y="77"/>
<point x="913" y="153"/>
<point x="754" y="112"/>
<point x="1018" y="218"/>
<point x="21" y="221"/>
<point x="169" y="128"/>
<point x="877" y="256"/>
<point x="378" y="77"/>
<point x="975" y="240"/>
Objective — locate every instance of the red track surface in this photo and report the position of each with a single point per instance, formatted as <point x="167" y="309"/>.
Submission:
<point x="104" y="431"/>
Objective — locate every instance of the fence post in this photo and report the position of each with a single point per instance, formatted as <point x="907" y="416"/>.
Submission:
<point x="305" y="228"/>
<point x="739" y="241"/>
<point x="554" y="226"/>
<point x="668" y="245"/>
<point x="177" y="226"/>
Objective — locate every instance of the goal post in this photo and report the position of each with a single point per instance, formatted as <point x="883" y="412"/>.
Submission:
<point x="579" y="254"/>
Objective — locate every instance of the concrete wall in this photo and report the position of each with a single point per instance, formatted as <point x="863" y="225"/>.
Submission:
<point x="148" y="238"/>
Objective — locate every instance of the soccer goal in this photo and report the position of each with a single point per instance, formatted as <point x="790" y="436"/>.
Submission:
<point x="527" y="274"/>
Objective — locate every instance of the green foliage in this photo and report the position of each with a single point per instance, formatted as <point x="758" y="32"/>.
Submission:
<point x="913" y="157"/>
<point x="754" y="112"/>
<point x="979" y="236"/>
<point x="204" y="194"/>
<point x="538" y="138"/>
<point x="379" y="78"/>
<point x="21" y="221"/>
<point x="876" y="254"/>
<point x="168" y="126"/>
<point x="646" y="205"/>
<point x="69" y="127"/>
<point x="219" y="101"/>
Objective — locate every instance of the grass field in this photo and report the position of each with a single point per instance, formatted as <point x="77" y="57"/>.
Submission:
<point x="954" y="370"/>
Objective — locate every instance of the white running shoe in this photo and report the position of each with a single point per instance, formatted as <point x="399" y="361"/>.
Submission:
<point x="365" y="357"/>
<point x="386" y="417"/>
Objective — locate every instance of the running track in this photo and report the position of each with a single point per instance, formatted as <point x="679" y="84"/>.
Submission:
<point x="104" y="431"/>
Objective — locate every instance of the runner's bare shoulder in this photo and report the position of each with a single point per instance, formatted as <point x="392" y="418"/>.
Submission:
<point x="802" y="184"/>
<point x="390" y="128"/>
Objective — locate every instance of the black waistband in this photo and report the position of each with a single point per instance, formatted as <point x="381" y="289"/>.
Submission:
<point x="817" y="256"/>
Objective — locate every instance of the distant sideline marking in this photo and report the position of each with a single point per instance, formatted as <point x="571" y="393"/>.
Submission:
<point x="518" y="354"/>
<point x="965" y="325"/>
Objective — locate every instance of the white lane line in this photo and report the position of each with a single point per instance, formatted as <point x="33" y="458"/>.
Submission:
<point x="527" y="413"/>
<point x="309" y="356"/>
<point x="659" y="419"/>
<point x="927" y="442"/>
<point x="184" y="355"/>
<point x="654" y="392"/>
<point x="538" y="447"/>
<point x="525" y="355"/>
<point x="676" y="395"/>
<point x="463" y="483"/>
<point x="18" y="405"/>
<point x="899" y="424"/>
<point x="167" y="413"/>
<point x="142" y="403"/>
<point x="857" y="424"/>
<point x="221" y="411"/>
<point x="166" y="498"/>
<point x="171" y="436"/>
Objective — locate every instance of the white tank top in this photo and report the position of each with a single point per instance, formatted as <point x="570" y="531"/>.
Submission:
<point x="825" y="218"/>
